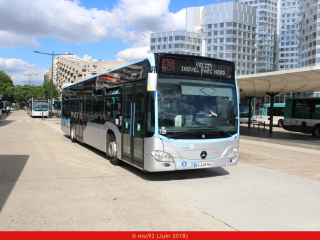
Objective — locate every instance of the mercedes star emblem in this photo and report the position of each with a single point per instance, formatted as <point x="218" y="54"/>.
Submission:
<point x="203" y="154"/>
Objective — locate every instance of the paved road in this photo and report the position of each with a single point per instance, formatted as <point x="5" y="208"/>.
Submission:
<point x="49" y="183"/>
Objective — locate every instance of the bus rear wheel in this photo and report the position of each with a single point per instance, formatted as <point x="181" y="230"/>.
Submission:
<point x="280" y="123"/>
<point x="72" y="133"/>
<point x="112" y="150"/>
<point x="316" y="131"/>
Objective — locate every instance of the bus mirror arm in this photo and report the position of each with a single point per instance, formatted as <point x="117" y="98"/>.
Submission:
<point x="152" y="82"/>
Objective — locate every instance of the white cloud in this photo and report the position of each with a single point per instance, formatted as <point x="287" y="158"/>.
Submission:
<point x="87" y="57"/>
<point x="133" y="54"/>
<point x="130" y="21"/>
<point x="21" y="79"/>
<point x="14" y="65"/>
<point x="17" y="67"/>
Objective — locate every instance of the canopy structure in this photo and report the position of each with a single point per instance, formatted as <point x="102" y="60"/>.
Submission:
<point x="295" y="80"/>
<point x="271" y="83"/>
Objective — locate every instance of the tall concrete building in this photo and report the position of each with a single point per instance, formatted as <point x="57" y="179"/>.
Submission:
<point x="230" y="33"/>
<point x="267" y="33"/>
<point x="309" y="46"/>
<point x="71" y="68"/>
<point x="46" y="77"/>
<point x="221" y="30"/>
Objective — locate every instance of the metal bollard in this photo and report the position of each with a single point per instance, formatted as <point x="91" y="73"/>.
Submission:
<point x="259" y="126"/>
<point x="42" y="115"/>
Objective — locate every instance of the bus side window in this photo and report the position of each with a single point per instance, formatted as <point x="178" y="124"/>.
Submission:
<point x="316" y="114"/>
<point x="98" y="110"/>
<point x="108" y="109"/>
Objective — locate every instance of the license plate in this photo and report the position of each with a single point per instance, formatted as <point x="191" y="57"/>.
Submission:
<point x="203" y="165"/>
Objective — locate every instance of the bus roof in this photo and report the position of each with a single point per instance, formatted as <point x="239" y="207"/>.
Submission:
<point x="152" y="63"/>
<point x="151" y="60"/>
<point x="304" y="98"/>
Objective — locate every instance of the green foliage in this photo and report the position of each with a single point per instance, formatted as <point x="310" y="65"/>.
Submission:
<point x="47" y="90"/>
<point x="15" y="106"/>
<point x="22" y="105"/>
<point x="21" y="93"/>
<point x="5" y="84"/>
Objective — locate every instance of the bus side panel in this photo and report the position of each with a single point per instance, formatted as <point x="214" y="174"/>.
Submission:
<point x="65" y="125"/>
<point x="96" y="135"/>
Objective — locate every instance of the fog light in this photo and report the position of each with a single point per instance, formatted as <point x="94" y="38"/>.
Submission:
<point x="167" y="164"/>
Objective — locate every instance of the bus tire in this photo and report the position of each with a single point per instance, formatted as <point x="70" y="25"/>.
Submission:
<point x="72" y="133"/>
<point x="112" y="150"/>
<point x="280" y="123"/>
<point x="316" y="131"/>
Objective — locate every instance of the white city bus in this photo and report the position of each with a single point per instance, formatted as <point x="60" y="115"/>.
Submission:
<point x="303" y="115"/>
<point x="278" y="114"/>
<point x="38" y="107"/>
<point x="163" y="113"/>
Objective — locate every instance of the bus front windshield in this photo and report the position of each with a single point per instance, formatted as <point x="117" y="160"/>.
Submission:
<point x="190" y="108"/>
<point x="40" y="106"/>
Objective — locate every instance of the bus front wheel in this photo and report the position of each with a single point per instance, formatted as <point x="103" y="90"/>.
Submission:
<point x="316" y="131"/>
<point x="112" y="150"/>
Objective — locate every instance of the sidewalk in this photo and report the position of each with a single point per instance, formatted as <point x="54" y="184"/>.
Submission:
<point x="279" y="136"/>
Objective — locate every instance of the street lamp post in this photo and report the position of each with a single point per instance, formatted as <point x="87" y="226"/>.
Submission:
<point x="52" y="54"/>
<point x="29" y="82"/>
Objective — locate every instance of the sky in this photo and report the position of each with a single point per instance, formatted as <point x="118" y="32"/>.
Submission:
<point x="111" y="30"/>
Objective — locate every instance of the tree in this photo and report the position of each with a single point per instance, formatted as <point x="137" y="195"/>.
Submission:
<point x="47" y="90"/>
<point x="5" y="84"/>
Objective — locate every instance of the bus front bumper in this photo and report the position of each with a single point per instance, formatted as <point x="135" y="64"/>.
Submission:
<point x="152" y="165"/>
<point x="39" y="114"/>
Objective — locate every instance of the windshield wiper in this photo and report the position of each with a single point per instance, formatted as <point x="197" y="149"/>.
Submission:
<point x="227" y="133"/>
<point x="180" y="134"/>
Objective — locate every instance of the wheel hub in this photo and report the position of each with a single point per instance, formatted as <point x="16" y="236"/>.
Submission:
<point x="112" y="149"/>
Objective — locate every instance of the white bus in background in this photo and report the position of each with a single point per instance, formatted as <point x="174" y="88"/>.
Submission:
<point x="38" y="107"/>
<point x="278" y="114"/>
<point x="163" y="113"/>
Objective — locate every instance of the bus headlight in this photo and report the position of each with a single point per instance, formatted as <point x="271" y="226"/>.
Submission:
<point x="162" y="156"/>
<point x="234" y="153"/>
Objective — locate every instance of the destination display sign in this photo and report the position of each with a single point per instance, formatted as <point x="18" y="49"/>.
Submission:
<point x="199" y="67"/>
<point x="40" y="100"/>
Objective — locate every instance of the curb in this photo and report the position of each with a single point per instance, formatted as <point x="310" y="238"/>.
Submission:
<point x="301" y="145"/>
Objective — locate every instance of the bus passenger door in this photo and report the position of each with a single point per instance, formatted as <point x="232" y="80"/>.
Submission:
<point x="133" y="123"/>
<point x="79" y="116"/>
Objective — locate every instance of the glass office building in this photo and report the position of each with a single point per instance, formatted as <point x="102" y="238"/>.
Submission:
<point x="267" y="35"/>
<point x="182" y="42"/>
<point x="230" y="33"/>
<point x="289" y="34"/>
<point x="309" y="37"/>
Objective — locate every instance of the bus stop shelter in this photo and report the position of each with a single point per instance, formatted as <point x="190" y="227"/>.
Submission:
<point x="272" y="83"/>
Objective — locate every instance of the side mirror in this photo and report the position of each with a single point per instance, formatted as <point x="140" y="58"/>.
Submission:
<point x="152" y="82"/>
